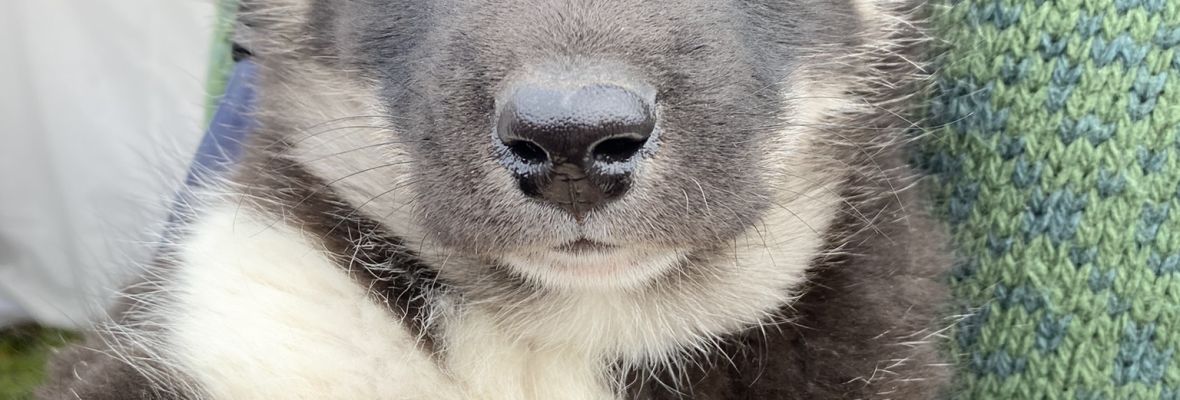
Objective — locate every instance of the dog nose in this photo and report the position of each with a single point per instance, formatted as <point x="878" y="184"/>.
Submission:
<point x="585" y="125"/>
<point x="575" y="146"/>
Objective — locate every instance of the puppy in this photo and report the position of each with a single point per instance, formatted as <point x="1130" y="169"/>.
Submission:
<point x="551" y="199"/>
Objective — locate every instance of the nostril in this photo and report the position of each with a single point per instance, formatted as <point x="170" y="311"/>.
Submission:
<point x="528" y="151"/>
<point x="574" y="144"/>
<point x="617" y="149"/>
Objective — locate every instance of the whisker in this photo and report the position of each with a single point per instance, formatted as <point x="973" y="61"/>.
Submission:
<point x="328" y="185"/>
<point x="343" y="152"/>
<point x="366" y="202"/>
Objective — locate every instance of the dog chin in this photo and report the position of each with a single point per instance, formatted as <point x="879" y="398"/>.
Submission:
<point x="593" y="266"/>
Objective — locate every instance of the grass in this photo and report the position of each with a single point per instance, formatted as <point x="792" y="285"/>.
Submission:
<point x="23" y="353"/>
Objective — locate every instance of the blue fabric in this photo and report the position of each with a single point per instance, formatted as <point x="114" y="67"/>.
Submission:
<point x="222" y="144"/>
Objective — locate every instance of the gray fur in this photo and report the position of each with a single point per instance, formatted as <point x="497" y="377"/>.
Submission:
<point x="719" y="67"/>
<point x="865" y="326"/>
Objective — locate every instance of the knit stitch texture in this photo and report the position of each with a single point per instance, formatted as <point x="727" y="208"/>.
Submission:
<point x="1055" y="139"/>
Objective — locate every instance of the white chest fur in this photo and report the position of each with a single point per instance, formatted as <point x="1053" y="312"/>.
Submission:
<point x="261" y="313"/>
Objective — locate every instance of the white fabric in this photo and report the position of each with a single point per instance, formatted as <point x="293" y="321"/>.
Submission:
<point x="101" y="104"/>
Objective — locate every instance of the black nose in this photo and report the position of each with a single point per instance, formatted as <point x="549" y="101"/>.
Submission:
<point x="575" y="146"/>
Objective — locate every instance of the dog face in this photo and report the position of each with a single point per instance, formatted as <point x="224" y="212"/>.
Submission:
<point x="575" y="142"/>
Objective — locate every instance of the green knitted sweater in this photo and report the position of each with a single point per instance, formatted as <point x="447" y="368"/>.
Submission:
<point x="1056" y="140"/>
